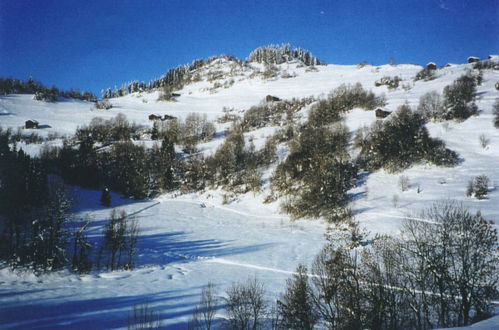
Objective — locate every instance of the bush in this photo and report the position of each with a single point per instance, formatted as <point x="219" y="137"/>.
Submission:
<point x="341" y="100"/>
<point x="391" y="82"/>
<point x="103" y="104"/>
<point x="430" y="106"/>
<point x="404" y="183"/>
<point x="478" y="187"/>
<point x="275" y="113"/>
<point x="458" y="98"/>
<point x="401" y="141"/>
<point x="426" y="74"/>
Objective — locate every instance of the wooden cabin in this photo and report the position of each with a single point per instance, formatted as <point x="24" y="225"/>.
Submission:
<point x="473" y="59"/>
<point x="153" y="117"/>
<point x="168" y="117"/>
<point x="270" y="98"/>
<point x="380" y="113"/>
<point x="431" y="66"/>
<point x="31" y="123"/>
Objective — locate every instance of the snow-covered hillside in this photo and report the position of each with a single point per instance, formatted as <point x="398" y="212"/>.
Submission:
<point x="188" y="240"/>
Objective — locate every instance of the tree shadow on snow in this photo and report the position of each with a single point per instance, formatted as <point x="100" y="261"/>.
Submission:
<point x="95" y="313"/>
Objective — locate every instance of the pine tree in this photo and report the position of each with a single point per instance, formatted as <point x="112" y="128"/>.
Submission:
<point x="296" y="307"/>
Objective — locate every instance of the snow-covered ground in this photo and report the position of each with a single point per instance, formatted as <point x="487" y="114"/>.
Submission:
<point x="184" y="245"/>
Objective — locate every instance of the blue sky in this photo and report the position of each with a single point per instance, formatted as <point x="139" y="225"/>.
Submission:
<point x="97" y="44"/>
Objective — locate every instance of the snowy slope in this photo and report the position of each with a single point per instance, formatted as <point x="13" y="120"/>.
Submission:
<point x="183" y="245"/>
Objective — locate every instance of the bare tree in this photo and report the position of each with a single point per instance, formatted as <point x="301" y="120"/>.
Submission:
<point x="204" y="312"/>
<point x="143" y="317"/>
<point x="245" y="305"/>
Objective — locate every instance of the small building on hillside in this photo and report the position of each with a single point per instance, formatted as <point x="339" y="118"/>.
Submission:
<point x="431" y="66"/>
<point x="168" y="117"/>
<point x="380" y="113"/>
<point x="473" y="59"/>
<point x="31" y="123"/>
<point x="270" y="98"/>
<point x="153" y="117"/>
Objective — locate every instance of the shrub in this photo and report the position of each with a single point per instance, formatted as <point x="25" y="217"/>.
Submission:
<point x="478" y="187"/>
<point x="484" y="141"/>
<point x="103" y="104"/>
<point x="458" y="98"/>
<point x="430" y="106"/>
<point x="391" y="82"/>
<point x="404" y="183"/>
<point x="341" y="100"/>
<point x="275" y="113"/>
<point x="426" y="74"/>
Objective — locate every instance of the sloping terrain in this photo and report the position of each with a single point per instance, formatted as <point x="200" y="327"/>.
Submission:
<point x="188" y="240"/>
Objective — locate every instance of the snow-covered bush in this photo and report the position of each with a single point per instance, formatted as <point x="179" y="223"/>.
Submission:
<point x="478" y="187"/>
<point x="430" y="106"/>
<point x="343" y="99"/>
<point x="404" y="183"/>
<point x="103" y="104"/>
<point x="426" y="74"/>
<point x="391" y="82"/>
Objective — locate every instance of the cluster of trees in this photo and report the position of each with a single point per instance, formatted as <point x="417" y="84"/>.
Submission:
<point x="108" y="131"/>
<point x="341" y="100"/>
<point x="274" y="113"/>
<point x="400" y="141"/>
<point x="38" y="230"/>
<point x="42" y="93"/>
<point x="457" y="101"/>
<point x="318" y="171"/>
<point x="275" y="54"/>
<point x="174" y="79"/>
<point x="391" y="82"/>
<point x="195" y="128"/>
<point x="438" y="273"/>
<point x="178" y="77"/>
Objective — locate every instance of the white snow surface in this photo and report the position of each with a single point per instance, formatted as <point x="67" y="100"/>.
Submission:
<point x="188" y="240"/>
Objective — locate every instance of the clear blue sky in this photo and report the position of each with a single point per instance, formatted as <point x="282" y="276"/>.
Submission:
<point x="91" y="45"/>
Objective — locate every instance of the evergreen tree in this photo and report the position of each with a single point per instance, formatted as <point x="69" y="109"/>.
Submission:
<point x="296" y="308"/>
